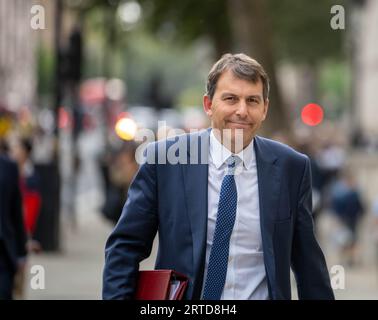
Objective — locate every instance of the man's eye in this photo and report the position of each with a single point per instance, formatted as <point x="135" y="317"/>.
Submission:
<point x="231" y="98"/>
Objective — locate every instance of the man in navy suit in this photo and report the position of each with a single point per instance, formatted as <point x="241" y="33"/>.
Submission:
<point x="233" y="210"/>
<point x="12" y="232"/>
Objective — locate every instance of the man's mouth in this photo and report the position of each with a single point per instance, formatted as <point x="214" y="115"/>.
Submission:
<point x="239" y="124"/>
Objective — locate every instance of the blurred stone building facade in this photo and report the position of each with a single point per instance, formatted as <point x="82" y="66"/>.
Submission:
<point x="17" y="54"/>
<point x="366" y="102"/>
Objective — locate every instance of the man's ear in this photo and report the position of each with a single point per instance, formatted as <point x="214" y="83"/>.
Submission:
<point x="266" y="107"/>
<point x="207" y="105"/>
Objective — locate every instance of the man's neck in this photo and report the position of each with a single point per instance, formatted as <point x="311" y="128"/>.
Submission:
<point x="233" y="146"/>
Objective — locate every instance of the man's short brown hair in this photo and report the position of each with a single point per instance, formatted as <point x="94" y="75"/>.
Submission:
<point x="243" y="67"/>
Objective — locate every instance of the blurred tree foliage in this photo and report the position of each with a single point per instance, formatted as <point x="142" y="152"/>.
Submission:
<point x="177" y="69"/>
<point x="45" y="67"/>
<point x="270" y="30"/>
<point x="300" y="29"/>
<point x="138" y="55"/>
<point x="192" y="19"/>
<point x="335" y="80"/>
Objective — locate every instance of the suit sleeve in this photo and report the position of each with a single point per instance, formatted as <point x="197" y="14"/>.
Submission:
<point x="308" y="262"/>
<point x="131" y="240"/>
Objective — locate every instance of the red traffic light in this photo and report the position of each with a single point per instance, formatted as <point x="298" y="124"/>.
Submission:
<point x="312" y="114"/>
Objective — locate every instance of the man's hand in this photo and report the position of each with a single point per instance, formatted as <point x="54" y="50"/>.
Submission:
<point x="33" y="246"/>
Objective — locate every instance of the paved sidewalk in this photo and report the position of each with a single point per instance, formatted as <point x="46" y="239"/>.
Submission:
<point x="76" y="272"/>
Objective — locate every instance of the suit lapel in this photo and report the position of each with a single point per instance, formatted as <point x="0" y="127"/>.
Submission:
<point x="195" y="178"/>
<point x="269" y="187"/>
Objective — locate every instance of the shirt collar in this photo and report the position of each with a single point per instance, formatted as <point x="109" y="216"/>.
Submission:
<point x="219" y="153"/>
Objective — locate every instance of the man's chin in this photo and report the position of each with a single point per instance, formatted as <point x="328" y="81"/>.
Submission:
<point x="238" y="126"/>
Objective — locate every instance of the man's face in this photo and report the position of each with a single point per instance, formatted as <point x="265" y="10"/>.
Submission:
<point x="18" y="153"/>
<point x="237" y="105"/>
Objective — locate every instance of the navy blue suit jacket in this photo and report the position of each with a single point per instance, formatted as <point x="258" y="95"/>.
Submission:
<point x="172" y="198"/>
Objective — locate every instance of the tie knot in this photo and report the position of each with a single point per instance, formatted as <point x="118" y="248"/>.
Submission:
<point x="232" y="163"/>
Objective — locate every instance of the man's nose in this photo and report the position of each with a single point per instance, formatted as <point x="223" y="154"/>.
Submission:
<point x="242" y="109"/>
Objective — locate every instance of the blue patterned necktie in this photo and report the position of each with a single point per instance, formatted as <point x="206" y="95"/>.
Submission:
<point x="218" y="261"/>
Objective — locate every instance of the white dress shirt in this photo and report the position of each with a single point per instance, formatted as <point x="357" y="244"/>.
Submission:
<point x="246" y="277"/>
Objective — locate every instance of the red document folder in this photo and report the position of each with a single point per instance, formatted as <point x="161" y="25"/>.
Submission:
<point x="161" y="285"/>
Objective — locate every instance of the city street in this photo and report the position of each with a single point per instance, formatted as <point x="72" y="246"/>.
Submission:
<point x="85" y="85"/>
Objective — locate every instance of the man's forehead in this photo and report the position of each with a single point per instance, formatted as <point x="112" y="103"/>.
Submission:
<point x="228" y="81"/>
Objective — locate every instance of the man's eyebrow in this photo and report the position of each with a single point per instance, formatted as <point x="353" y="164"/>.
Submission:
<point x="254" y="96"/>
<point x="258" y="96"/>
<point x="225" y="94"/>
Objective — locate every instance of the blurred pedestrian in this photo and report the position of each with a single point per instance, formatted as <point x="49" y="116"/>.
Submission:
<point x="375" y="227"/>
<point x="30" y="188"/>
<point x="12" y="233"/>
<point x="318" y="179"/>
<point x="4" y="147"/>
<point x="21" y="151"/>
<point x="120" y="172"/>
<point x="375" y="212"/>
<point x="331" y="160"/>
<point x="347" y="204"/>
